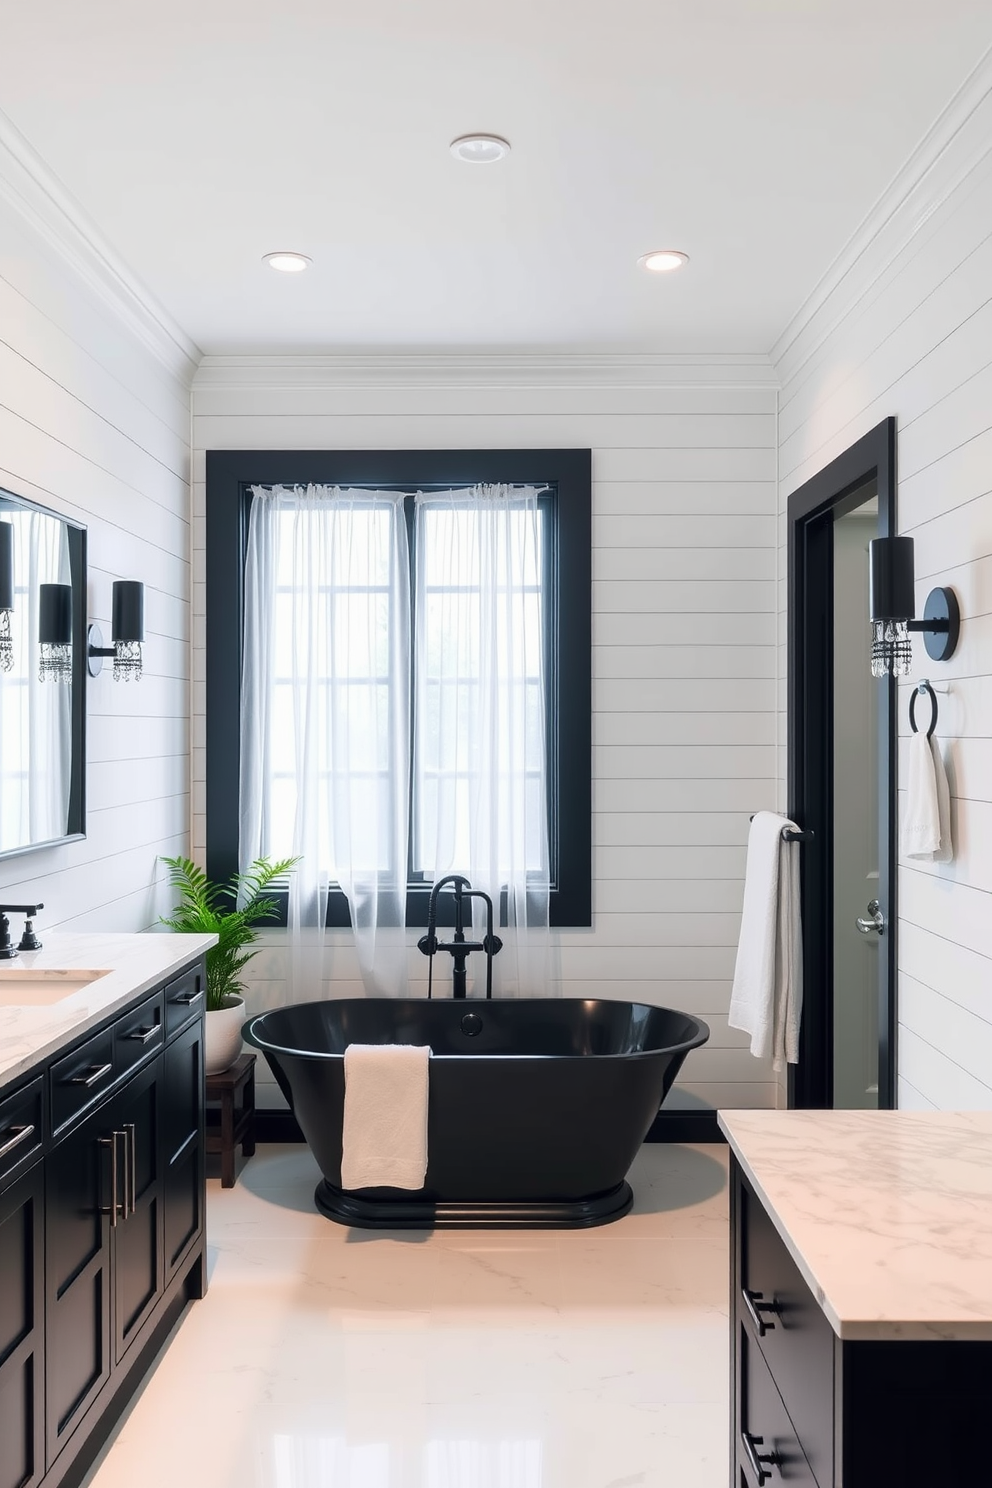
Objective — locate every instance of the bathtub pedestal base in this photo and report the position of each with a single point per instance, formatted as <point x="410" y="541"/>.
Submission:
<point x="414" y="1214"/>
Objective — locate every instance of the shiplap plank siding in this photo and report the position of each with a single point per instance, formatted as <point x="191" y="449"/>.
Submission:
<point x="684" y="661"/>
<point x="908" y="331"/>
<point x="94" y="426"/>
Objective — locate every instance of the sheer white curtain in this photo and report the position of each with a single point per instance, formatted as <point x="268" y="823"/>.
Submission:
<point x="481" y="757"/>
<point x="325" y="720"/>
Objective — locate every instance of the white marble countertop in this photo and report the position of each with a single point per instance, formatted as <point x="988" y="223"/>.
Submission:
<point x="133" y="964"/>
<point x="887" y="1214"/>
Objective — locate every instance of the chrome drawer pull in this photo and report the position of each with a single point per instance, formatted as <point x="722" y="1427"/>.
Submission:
<point x="188" y="999"/>
<point x="755" y="1458"/>
<point x="755" y="1305"/>
<point x="142" y="1035"/>
<point x="111" y="1142"/>
<point x="97" y="1073"/>
<point x="131" y="1171"/>
<point x="15" y="1136"/>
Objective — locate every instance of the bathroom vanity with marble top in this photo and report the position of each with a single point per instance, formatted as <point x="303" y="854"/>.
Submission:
<point x="861" y="1298"/>
<point x="101" y="1185"/>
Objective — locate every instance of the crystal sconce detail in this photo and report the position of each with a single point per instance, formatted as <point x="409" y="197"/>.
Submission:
<point x="55" y="632"/>
<point x="128" y="634"/>
<point x="892" y="605"/>
<point x="6" y="596"/>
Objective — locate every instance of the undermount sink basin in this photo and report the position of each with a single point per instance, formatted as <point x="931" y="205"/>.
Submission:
<point x="19" y="988"/>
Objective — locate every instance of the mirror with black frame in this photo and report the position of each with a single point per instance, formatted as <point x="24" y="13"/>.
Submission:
<point x="42" y="676"/>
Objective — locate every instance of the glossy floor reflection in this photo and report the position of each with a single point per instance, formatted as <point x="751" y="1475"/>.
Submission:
<point x="332" y="1358"/>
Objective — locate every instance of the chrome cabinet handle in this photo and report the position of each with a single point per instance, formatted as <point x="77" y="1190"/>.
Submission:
<point x="142" y="1035"/>
<point x="111" y="1209"/>
<point x="756" y="1305"/>
<point x="187" y="999"/>
<point x="131" y="1171"/>
<point x="876" y="924"/>
<point x="15" y="1136"/>
<point x="756" y="1458"/>
<point x="97" y="1072"/>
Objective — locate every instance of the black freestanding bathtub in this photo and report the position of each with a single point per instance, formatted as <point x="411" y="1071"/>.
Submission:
<point x="536" y="1106"/>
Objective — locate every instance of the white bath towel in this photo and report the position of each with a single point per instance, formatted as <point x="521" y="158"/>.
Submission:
<point x="384" y="1138"/>
<point x="767" y="996"/>
<point x="945" y="851"/>
<point x="921" y="820"/>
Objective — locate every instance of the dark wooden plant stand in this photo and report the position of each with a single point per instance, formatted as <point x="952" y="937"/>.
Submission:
<point x="234" y="1122"/>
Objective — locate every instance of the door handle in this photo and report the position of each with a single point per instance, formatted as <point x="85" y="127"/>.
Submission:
<point x="131" y="1170"/>
<point x="876" y="924"/>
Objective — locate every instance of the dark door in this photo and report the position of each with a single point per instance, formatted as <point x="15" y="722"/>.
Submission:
<point x="81" y="1201"/>
<point x="842" y="739"/>
<point x="182" y="1159"/>
<point x="22" y="1325"/>
<point x="137" y="1241"/>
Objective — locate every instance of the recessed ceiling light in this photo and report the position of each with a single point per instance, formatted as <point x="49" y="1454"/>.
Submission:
<point x="480" y="149"/>
<point x="663" y="260"/>
<point x="287" y="263"/>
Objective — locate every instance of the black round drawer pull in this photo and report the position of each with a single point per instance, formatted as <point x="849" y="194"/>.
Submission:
<point x="756" y="1458"/>
<point x="756" y="1305"/>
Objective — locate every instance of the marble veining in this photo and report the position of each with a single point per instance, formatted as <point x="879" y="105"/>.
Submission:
<point x="887" y="1214"/>
<point x="324" y="1357"/>
<point x="128" y="965"/>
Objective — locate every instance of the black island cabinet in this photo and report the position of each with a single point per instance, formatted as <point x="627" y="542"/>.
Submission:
<point x="102" y="1241"/>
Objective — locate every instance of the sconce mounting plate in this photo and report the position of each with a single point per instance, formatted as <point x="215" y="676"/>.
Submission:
<point x="941" y="606"/>
<point x="96" y="650"/>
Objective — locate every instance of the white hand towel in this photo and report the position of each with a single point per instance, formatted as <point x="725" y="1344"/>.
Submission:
<point x="945" y="852"/>
<point x="766" y="1000"/>
<point x="384" y="1137"/>
<point x="921" y="822"/>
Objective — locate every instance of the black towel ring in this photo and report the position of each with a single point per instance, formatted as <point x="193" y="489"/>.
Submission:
<point x="925" y="688"/>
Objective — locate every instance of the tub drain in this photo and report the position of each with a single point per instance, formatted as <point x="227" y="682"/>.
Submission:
<point x="471" y="1024"/>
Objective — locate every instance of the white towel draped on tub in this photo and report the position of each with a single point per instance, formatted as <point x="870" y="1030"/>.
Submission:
<point x="767" y="997"/>
<point x="384" y="1137"/>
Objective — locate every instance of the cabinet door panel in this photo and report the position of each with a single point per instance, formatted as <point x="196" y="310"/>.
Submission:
<point x="137" y="1240"/>
<point x="77" y="1282"/>
<point x="22" y="1398"/>
<point x="182" y="1101"/>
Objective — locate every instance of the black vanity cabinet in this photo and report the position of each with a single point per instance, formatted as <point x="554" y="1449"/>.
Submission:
<point x="101" y="1239"/>
<point x="817" y="1411"/>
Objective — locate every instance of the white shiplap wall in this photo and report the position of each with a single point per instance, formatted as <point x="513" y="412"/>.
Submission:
<point x="683" y="628"/>
<point x="906" y="329"/>
<point x="95" y="424"/>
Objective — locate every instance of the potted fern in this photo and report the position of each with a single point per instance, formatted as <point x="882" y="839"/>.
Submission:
<point x="230" y="911"/>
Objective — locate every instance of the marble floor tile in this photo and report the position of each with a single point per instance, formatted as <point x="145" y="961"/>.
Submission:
<point x="330" y="1358"/>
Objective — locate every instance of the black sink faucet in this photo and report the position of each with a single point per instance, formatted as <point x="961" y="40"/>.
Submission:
<point x="29" y="941"/>
<point x="458" y="947"/>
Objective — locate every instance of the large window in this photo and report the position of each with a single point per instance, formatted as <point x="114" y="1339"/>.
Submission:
<point x="339" y="613"/>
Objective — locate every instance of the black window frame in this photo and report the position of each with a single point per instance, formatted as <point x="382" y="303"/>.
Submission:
<point x="230" y="474"/>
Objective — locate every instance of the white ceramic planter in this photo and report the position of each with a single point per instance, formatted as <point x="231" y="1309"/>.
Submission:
<point x="223" y="1035"/>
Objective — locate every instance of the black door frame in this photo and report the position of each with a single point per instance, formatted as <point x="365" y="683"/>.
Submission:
<point x="812" y="510"/>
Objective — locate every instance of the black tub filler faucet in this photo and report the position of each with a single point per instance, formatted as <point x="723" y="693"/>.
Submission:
<point x="458" y="947"/>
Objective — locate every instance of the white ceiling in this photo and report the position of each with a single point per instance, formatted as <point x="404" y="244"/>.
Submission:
<point x="753" y="134"/>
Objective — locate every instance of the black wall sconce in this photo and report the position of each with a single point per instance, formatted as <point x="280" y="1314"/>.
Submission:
<point x="55" y="632"/>
<point x="128" y="631"/>
<point x="6" y="596"/>
<point x="892" y="605"/>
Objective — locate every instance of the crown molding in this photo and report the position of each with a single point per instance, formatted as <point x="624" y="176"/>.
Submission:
<point x="38" y="197"/>
<point x="953" y="147"/>
<point x="482" y="370"/>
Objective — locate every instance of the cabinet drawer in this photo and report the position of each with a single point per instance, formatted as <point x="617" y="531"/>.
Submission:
<point x="795" y="1338"/>
<point x="22" y="1131"/>
<point x="766" y="1432"/>
<point x="184" y="1000"/>
<point x="138" y="1035"/>
<point x="82" y="1077"/>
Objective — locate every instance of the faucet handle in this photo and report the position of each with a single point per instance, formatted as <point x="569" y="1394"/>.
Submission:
<point x="29" y="940"/>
